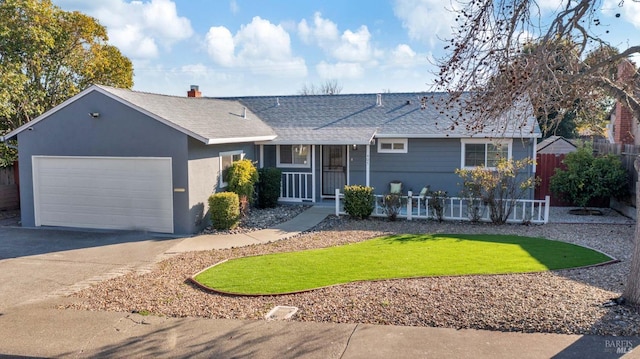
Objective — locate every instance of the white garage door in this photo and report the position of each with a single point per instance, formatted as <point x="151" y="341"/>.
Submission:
<point x="103" y="192"/>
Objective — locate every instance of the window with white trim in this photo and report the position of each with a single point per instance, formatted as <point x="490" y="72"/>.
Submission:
<point x="226" y="160"/>
<point x="294" y="155"/>
<point x="393" y="145"/>
<point x="484" y="152"/>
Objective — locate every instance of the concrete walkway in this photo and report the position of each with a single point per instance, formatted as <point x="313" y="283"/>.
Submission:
<point x="42" y="329"/>
<point x="291" y="228"/>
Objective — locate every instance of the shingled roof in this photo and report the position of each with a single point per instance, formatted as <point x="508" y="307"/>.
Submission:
<point x="357" y="118"/>
<point x="208" y="120"/>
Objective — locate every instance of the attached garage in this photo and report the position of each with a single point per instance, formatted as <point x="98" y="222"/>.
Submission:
<point x="103" y="192"/>
<point x="113" y="158"/>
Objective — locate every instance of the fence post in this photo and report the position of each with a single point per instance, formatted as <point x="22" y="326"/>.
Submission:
<point x="547" y="202"/>
<point x="337" y="202"/>
<point x="409" y="205"/>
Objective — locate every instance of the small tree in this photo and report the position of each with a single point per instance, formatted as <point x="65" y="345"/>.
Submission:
<point x="242" y="177"/>
<point x="499" y="187"/>
<point x="588" y="177"/>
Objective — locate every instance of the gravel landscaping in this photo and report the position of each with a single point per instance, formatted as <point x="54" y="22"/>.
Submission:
<point x="565" y="301"/>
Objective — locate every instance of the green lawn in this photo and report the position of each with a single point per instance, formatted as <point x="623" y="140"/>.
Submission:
<point x="397" y="256"/>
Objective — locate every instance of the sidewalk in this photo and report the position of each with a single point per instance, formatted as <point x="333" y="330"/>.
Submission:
<point x="41" y="330"/>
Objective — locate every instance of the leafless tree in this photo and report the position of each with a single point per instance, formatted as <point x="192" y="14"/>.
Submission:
<point x="329" y="87"/>
<point x="505" y="51"/>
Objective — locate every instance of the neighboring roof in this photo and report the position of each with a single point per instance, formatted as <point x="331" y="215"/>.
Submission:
<point x="555" y="144"/>
<point x="356" y="118"/>
<point x="208" y="120"/>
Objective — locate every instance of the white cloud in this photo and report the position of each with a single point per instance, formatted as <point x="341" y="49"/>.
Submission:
<point x="220" y="45"/>
<point x="425" y="20"/>
<point x="340" y="70"/>
<point x="354" y="46"/>
<point x="132" y="42"/>
<point x="259" y="46"/>
<point x="630" y="10"/>
<point x="350" y="46"/>
<point x="137" y="28"/>
<point x="403" y="56"/>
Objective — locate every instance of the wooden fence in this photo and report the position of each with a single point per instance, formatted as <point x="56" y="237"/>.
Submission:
<point x="546" y="164"/>
<point x="9" y="188"/>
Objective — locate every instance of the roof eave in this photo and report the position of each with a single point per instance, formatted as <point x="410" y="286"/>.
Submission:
<point x="256" y="139"/>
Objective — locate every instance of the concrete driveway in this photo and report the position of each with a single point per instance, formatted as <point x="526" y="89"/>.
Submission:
<point x="40" y="263"/>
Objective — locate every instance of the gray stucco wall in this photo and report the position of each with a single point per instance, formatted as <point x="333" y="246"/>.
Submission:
<point x="204" y="176"/>
<point x="119" y="132"/>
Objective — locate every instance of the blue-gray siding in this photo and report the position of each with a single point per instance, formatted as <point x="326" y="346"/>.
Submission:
<point x="428" y="162"/>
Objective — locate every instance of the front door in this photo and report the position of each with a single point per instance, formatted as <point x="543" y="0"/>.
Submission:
<point x="334" y="169"/>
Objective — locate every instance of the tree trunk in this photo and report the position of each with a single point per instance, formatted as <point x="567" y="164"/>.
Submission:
<point x="632" y="289"/>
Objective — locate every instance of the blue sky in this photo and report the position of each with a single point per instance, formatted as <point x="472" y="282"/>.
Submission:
<point x="269" y="47"/>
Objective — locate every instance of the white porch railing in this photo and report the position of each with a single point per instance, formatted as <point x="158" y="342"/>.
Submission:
<point x="457" y="209"/>
<point x="296" y="187"/>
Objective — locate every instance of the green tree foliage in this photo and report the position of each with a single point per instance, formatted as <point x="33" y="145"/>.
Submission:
<point x="48" y="55"/>
<point x="588" y="177"/>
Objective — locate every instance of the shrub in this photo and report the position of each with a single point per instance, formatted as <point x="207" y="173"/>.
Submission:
<point x="499" y="187"/>
<point x="358" y="201"/>
<point x="269" y="182"/>
<point x="225" y="210"/>
<point x="242" y="177"/>
<point x="436" y="203"/>
<point x="588" y="177"/>
<point x="392" y="203"/>
<point x="472" y="193"/>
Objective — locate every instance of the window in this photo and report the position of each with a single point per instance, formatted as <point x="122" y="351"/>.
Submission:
<point x="484" y="152"/>
<point x="294" y="155"/>
<point x="392" y="145"/>
<point x="226" y="160"/>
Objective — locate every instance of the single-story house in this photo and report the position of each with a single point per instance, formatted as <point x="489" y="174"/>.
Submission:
<point x="120" y="159"/>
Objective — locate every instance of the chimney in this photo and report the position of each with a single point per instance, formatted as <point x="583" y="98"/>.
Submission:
<point x="379" y="100"/>
<point x="194" y="92"/>
<point x="623" y="131"/>
<point x="244" y="112"/>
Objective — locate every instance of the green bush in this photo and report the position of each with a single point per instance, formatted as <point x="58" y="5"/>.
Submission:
<point x="269" y="182"/>
<point x="359" y="201"/>
<point x="225" y="210"/>
<point x="588" y="177"/>
<point x="242" y="177"/>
